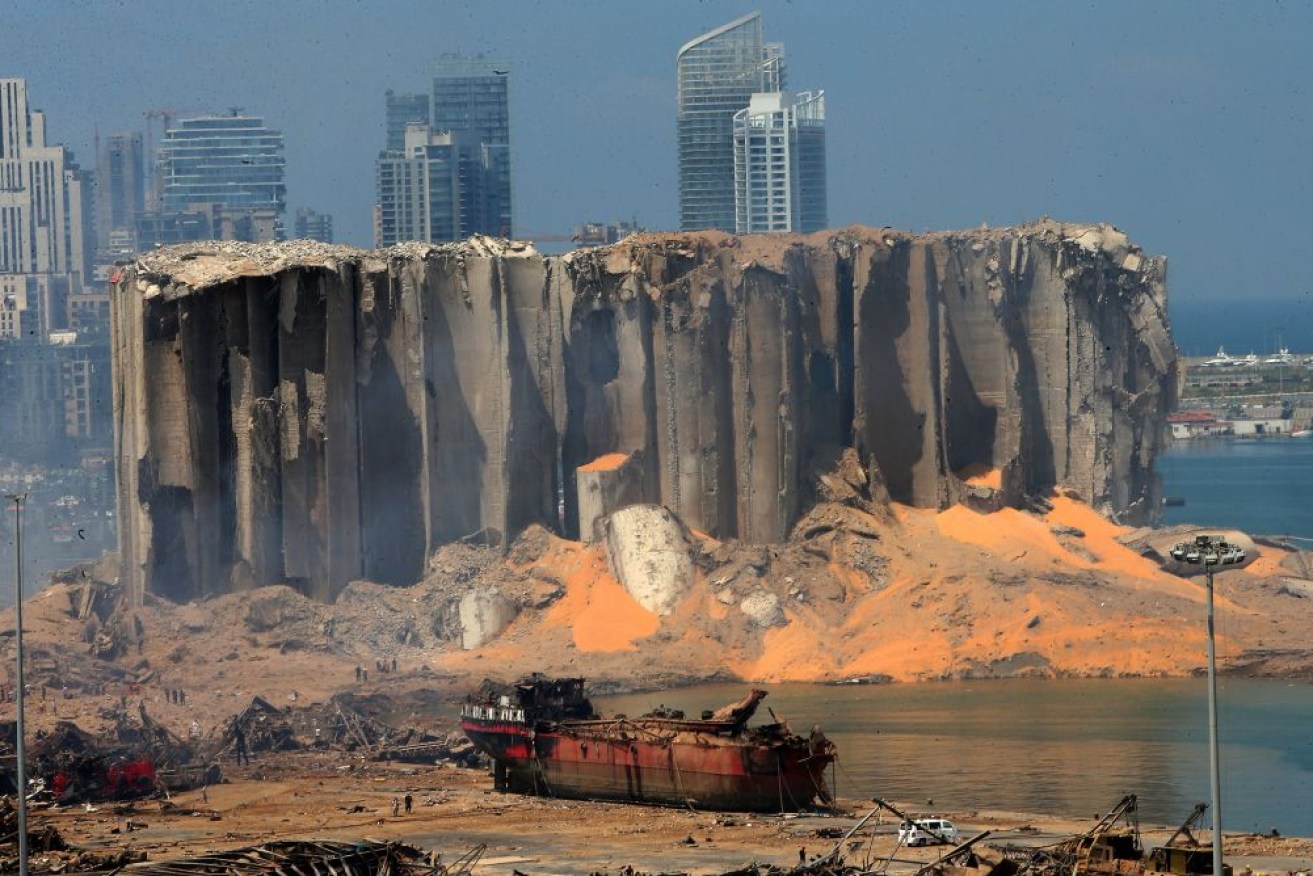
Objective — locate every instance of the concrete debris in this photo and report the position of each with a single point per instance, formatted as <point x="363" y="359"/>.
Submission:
<point x="606" y="485"/>
<point x="306" y="857"/>
<point x="309" y="414"/>
<point x="56" y="855"/>
<point x="484" y="613"/>
<point x="650" y="556"/>
<point x="763" y="609"/>
<point x="344" y="723"/>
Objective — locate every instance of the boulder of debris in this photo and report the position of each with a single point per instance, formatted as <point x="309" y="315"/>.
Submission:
<point x="762" y="609"/>
<point x="276" y="607"/>
<point x="484" y="613"/>
<point x="650" y="556"/>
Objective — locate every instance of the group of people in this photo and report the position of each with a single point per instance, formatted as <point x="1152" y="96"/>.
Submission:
<point x="397" y="802"/>
<point x="175" y="696"/>
<point x="382" y="667"/>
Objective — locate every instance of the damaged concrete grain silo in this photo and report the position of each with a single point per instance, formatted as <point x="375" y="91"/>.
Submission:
<point x="315" y="414"/>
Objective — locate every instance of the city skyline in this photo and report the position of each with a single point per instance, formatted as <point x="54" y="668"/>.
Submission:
<point x="445" y="173"/>
<point x="950" y="116"/>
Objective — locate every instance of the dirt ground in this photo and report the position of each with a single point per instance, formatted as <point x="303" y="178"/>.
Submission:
<point x="328" y="797"/>
<point x="881" y="592"/>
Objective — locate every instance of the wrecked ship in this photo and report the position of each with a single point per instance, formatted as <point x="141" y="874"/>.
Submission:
<point x="545" y="739"/>
<point x="311" y="414"/>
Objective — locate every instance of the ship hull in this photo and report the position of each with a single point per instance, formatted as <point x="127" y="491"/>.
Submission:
<point x="638" y="766"/>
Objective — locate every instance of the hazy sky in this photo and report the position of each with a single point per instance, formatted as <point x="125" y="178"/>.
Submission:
<point x="1189" y="125"/>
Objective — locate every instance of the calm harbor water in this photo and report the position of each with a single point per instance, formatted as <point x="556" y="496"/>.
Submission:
<point x="1258" y="485"/>
<point x="1068" y="747"/>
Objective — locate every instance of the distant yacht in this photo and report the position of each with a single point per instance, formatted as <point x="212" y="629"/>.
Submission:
<point x="1221" y="360"/>
<point x="1284" y="357"/>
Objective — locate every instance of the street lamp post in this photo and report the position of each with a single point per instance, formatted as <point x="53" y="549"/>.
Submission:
<point x="1214" y="760"/>
<point x="1211" y="552"/>
<point x="19" y="746"/>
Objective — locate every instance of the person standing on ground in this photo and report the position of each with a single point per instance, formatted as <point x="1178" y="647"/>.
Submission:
<point x="396" y="807"/>
<point x="239" y="744"/>
<point x="409" y="801"/>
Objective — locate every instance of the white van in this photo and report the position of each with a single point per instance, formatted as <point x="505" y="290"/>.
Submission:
<point x="927" y="831"/>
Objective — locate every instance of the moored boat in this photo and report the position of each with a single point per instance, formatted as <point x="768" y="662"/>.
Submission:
<point x="544" y="738"/>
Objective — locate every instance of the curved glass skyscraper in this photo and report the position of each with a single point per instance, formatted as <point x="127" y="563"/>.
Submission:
<point x="718" y="74"/>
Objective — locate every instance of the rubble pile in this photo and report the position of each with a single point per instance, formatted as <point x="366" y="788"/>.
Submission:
<point x="76" y="766"/>
<point x="49" y="852"/>
<point x="318" y="415"/>
<point x="336" y="725"/>
<point x="140" y="757"/>
<point x="292" y="858"/>
<point x="306" y="857"/>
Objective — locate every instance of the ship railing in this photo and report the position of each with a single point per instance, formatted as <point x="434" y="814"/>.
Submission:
<point x="492" y="713"/>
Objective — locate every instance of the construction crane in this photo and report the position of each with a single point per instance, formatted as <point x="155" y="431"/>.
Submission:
<point x="545" y="237"/>
<point x="166" y="115"/>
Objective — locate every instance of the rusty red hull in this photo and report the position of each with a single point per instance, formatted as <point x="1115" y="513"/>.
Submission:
<point x="653" y="761"/>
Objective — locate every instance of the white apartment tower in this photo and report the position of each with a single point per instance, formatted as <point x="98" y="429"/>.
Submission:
<point x="422" y="189"/>
<point x="779" y="163"/>
<point x="42" y="197"/>
<point x="44" y="208"/>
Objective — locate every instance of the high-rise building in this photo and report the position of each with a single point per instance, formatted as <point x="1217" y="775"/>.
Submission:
<point x="32" y="305"/>
<point x="779" y="163"/>
<point x="45" y="208"/>
<point x="402" y="110"/>
<point x="233" y="163"/>
<point x="422" y="190"/>
<point x="43" y="197"/>
<point x="55" y="395"/>
<point x="120" y="195"/>
<point x="310" y="225"/>
<point x="471" y="96"/>
<point x="718" y="73"/>
<point x="446" y="172"/>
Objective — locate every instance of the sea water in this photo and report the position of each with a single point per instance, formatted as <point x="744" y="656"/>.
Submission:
<point x="1243" y="324"/>
<point x="1263" y="486"/>
<point x="1070" y="747"/>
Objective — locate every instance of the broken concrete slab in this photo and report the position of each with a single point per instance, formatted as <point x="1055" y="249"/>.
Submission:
<point x="650" y="556"/>
<point x="484" y="613"/>
<point x="606" y="485"/>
